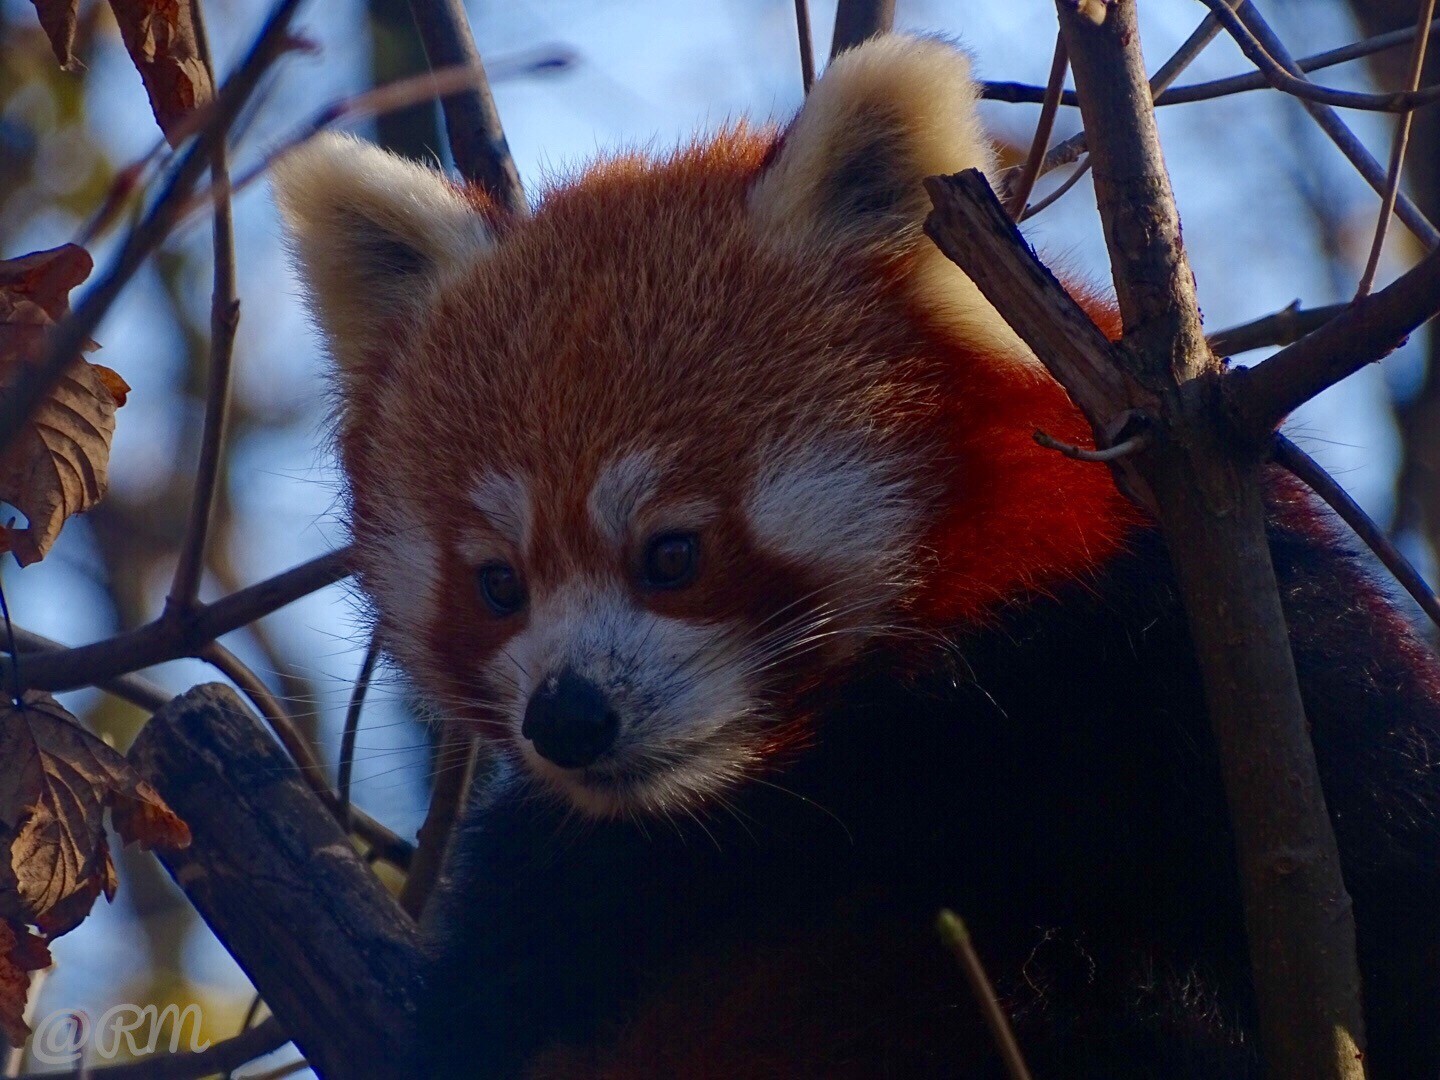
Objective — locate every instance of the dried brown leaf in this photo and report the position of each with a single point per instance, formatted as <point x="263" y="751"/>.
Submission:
<point x="57" y="19"/>
<point x="59" y="463"/>
<point x="160" y="37"/>
<point x="20" y="953"/>
<point x="55" y="781"/>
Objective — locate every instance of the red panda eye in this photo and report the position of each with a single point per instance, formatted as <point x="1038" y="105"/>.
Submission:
<point x="500" y="586"/>
<point x="670" y="560"/>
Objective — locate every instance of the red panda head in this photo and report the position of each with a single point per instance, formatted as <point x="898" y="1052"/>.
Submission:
<point x="636" y="479"/>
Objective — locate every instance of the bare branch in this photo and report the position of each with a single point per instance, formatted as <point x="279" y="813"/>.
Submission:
<point x="352" y="726"/>
<point x="1030" y="94"/>
<point x="1291" y="323"/>
<point x="224" y="318"/>
<point x="1303" y="466"/>
<point x="1019" y="193"/>
<point x="1298" y="86"/>
<point x="955" y="934"/>
<point x="1238" y="84"/>
<point x="1074" y="146"/>
<point x="807" y="44"/>
<point x="173" y="638"/>
<point x="859" y="20"/>
<point x="477" y="141"/>
<point x="336" y="959"/>
<point x="1397" y="154"/>
<point x="1368" y="330"/>
<point x="1133" y="445"/>
<point x="221" y="1057"/>
<point x="1207" y="491"/>
<point x="454" y="767"/>
<point x="69" y="336"/>
<point x="132" y="688"/>
<point x="1340" y="134"/>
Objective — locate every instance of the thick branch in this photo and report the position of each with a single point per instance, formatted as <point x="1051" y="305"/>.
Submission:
<point x="1282" y="327"/>
<point x="1367" y="330"/>
<point x="334" y="956"/>
<point x="857" y="21"/>
<point x="1207" y="491"/>
<point x="477" y="141"/>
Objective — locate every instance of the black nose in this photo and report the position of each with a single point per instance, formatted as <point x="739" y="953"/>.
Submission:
<point x="569" y="721"/>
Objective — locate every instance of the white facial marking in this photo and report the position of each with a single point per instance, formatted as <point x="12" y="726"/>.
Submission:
<point x="682" y="691"/>
<point x="402" y="573"/>
<point x="503" y="499"/>
<point x="620" y="490"/>
<point x="833" y="504"/>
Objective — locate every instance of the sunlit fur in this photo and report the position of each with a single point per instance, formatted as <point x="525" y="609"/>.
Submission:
<point x="749" y="339"/>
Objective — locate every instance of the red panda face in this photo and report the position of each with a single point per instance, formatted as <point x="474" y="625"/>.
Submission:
<point x="635" y="480"/>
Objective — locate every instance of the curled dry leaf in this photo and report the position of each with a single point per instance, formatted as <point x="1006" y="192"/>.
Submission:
<point x="21" y="952"/>
<point x="55" y="781"/>
<point x="160" y="38"/>
<point x="58" y="19"/>
<point x="59" y="464"/>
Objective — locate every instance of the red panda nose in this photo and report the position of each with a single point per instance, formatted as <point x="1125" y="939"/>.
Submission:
<point x="569" y="721"/>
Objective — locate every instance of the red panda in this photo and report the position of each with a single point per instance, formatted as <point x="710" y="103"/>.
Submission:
<point x="707" y="495"/>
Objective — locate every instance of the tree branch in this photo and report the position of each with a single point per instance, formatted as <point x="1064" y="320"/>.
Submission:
<point x="477" y="140"/>
<point x="173" y="638"/>
<point x="857" y="21"/>
<point x="1304" y="467"/>
<point x="1368" y="329"/>
<point x="224" y="318"/>
<point x="1282" y="327"/>
<point x="1207" y="491"/>
<point x="1029" y="94"/>
<point x="1296" y="85"/>
<point x="336" y="959"/>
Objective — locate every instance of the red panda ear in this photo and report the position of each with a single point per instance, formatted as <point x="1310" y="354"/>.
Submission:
<point x="883" y="117"/>
<point x="373" y="234"/>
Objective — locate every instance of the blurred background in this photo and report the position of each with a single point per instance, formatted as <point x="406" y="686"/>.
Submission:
<point x="1272" y="213"/>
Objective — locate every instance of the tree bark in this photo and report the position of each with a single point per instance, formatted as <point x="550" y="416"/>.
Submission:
<point x="332" y="953"/>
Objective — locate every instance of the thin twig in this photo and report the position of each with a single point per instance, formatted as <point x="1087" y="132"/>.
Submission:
<point x="385" y="843"/>
<point x="264" y="1038"/>
<point x="955" y="935"/>
<point x="1303" y="466"/>
<point x="1339" y="133"/>
<point x="1031" y="94"/>
<point x="1025" y="182"/>
<point x="477" y="140"/>
<point x="1132" y="445"/>
<point x="1286" y="81"/>
<point x="454" y="769"/>
<point x="224" y="318"/>
<point x="1239" y="84"/>
<point x="275" y="714"/>
<point x="171" y="639"/>
<point x="67" y="338"/>
<point x="807" y="44"/>
<point x="1073" y="147"/>
<point x="1282" y="327"/>
<point x="1397" y="153"/>
<point x="352" y="726"/>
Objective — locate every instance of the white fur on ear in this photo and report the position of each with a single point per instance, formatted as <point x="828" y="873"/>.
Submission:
<point x="373" y="234"/>
<point x="851" y="167"/>
<point x="884" y="116"/>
